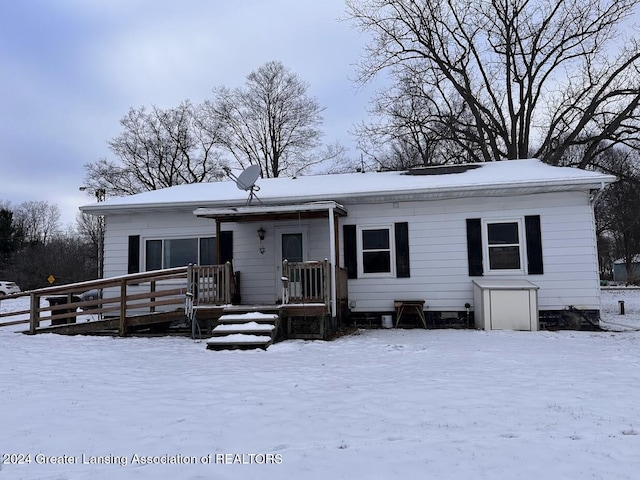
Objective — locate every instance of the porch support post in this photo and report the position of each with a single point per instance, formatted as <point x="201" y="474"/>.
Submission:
<point x="333" y="263"/>
<point x="217" y="220"/>
<point x="34" y="316"/>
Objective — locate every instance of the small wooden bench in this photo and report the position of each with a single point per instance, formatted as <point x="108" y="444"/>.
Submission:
<point x="412" y="306"/>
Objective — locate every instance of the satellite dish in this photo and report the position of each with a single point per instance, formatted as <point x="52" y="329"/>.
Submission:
<point x="247" y="181"/>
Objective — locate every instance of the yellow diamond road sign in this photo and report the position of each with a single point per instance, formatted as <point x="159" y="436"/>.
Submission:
<point x="51" y="279"/>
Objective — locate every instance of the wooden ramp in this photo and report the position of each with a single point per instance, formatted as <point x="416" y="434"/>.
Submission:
<point x="111" y="325"/>
<point x="244" y="331"/>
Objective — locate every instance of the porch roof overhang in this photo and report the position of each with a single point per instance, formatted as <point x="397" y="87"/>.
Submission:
<point x="251" y="213"/>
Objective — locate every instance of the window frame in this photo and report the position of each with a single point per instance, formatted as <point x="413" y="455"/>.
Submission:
<point x="163" y="241"/>
<point x="486" y="247"/>
<point x="392" y="251"/>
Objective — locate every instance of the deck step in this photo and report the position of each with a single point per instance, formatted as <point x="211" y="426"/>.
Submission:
<point x="248" y="328"/>
<point x="240" y="309"/>
<point x="243" y="331"/>
<point x="239" y="341"/>
<point x="256" y="317"/>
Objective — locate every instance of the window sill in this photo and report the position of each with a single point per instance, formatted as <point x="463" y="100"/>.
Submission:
<point x="376" y="275"/>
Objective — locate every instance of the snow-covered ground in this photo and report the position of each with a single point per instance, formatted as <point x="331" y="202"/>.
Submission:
<point x="610" y="308"/>
<point x="382" y="404"/>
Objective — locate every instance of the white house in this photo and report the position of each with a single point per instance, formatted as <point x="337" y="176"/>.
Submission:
<point x="422" y="235"/>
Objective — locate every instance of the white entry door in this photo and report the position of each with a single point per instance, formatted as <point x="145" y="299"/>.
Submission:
<point x="292" y="247"/>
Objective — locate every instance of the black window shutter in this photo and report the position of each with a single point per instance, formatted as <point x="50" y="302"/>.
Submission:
<point x="226" y="247"/>
<point x="474" y="246"/>
<point x="402" y="250"/>
<point x="133" y="264"/>
<point x="534" y="244"/>
<point x="350" y="250"/>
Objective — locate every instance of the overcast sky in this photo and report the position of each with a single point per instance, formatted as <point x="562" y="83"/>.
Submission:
<point x="71" y="69"/>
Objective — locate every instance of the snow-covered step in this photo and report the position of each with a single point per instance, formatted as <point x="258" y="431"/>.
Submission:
<point x="244" y="331"/>
<point x="256" y="317"/>
<point x="239" y="341"/>
<point x="244" y="328"/>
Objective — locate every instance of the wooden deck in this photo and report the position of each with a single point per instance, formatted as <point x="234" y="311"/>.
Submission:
<point x="151" y="300"/>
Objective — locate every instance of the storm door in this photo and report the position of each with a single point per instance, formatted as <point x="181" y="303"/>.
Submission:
<point x="292" y="248"/>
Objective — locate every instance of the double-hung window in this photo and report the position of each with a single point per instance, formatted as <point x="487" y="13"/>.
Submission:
<point x="178" y="252"/>
<point x="377" y="250"/>
<point x="504" y="245"/>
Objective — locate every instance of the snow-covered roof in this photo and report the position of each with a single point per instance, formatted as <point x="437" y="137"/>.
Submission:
<point x="495" y="178"/>
<point x="504" y="284"/>
<point x="622" y="261"/>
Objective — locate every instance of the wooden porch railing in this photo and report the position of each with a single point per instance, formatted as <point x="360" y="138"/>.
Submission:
<point x="15" y="316"/>
<point x="310" y="282"/>
<point x="306" y="282"/>
<point x="124" y="296"/>
<point x="120" y="297"/>
<point x="211" y="284"/>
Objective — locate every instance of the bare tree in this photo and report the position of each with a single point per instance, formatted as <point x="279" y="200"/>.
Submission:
<point x="33" y="247"/>
<point x="157" y="148"/>
<point x="90" y="230"/>
<point x="271" y="122"/>
<point x="66" y="256"/>
<point x="411" y="129"/>
<point x="513" y="78"/>
<point x="39" y="221"/>
<point x="618" y="210"/>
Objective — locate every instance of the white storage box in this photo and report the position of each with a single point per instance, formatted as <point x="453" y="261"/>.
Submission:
<point x="505" y="304"/>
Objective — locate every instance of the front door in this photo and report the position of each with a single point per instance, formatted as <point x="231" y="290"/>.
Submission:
<point x="292" y="247"/>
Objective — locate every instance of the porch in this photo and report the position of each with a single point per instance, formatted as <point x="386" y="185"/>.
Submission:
<point x="305" y="310"/>
<point x="281" y="271"/>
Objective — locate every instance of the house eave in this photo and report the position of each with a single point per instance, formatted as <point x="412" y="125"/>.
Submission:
<point x="271" y="212"/>
<point x="416" y="194"/>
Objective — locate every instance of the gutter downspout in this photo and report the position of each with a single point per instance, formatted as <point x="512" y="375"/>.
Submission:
<point x="332" y="256"/>
<point x="592" y="202"/>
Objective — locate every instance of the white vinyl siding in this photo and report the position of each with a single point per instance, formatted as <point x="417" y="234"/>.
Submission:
<point x="149" y="226"/>
<point x="439" y="264"/>
<point x="438" y="255"/>
<point x="259" y="273"/>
